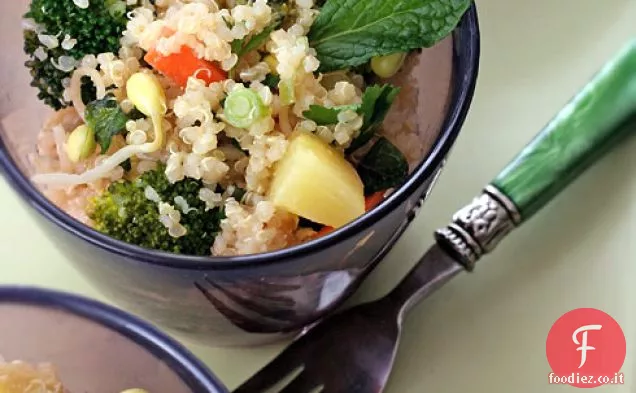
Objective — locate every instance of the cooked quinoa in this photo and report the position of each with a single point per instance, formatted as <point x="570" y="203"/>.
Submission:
<point x="231" y="162"/>
<point x="22" y="377"/>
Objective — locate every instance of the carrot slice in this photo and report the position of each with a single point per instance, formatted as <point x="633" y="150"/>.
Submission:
<point x="324" y="231"/>
<point x="374" y="200"/>
<point x="371" y="202"/>
<point x="184" y="64"/>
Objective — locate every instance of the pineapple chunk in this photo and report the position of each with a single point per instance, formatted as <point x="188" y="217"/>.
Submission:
<point x="316" y="182"/>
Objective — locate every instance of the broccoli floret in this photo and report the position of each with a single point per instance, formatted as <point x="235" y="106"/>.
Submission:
<point x="97" y="29"/>
<point x="125" y="213"/>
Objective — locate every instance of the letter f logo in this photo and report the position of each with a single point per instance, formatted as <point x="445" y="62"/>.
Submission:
<point x="583" y="344"/>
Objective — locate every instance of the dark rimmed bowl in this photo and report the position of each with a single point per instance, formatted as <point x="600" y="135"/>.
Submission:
<point x="258" y="298"/>
<point x="94" y="347"/>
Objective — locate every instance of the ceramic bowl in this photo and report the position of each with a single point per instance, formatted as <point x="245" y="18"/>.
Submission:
<point x="95" y="348"/>
<point x="251" y="299"/>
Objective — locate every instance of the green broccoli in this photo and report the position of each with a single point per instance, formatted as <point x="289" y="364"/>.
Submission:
<point x="97" y="29"/>
<point x="125" y="213"/>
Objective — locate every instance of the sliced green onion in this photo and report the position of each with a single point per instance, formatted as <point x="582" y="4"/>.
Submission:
<point x="244" y="107"/>
<point x="287" y="93"/>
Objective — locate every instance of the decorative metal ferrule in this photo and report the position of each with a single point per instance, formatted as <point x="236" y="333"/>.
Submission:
<point x="478" y="228"/>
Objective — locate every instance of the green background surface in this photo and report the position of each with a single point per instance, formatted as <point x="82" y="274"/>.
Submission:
<point x="484" y="332"/>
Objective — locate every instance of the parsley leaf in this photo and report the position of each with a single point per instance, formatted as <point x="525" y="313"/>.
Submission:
<point x="107" y="119"/>
<point x="348" y="33"/>
<point x="89" y="92"/>
<point x="383" y="167"/>
<point x="255" y="42"/>
<point x="239" y="193"/>
<point x="135" y="114"/>
<point x="243" y="46"/>
<point x="272" y="81"/>
<point x="126" y="165"/>
<point x="324" y="116"/>
<point x="376" y="103"/>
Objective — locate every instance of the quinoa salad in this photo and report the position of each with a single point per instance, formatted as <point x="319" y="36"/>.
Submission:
<point x="22" y="377"/>
<point x="222" y="127"/>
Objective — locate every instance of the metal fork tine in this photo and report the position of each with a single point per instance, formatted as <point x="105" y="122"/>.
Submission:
<point x="279" y="368"/>
<point x="301" y="384"/>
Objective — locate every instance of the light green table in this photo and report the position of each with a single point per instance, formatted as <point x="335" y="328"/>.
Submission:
<point x="484" y="332"/>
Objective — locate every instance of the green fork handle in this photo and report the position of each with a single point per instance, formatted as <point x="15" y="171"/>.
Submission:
<point x="595" y="120"/>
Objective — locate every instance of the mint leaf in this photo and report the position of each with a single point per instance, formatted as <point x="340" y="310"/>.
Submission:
<point x="348" y="33"/>
<point x="383" y="167"/>
<point x="107" y="119"/>
<point x="324" y="116"/>
<point x="376" y="103"/>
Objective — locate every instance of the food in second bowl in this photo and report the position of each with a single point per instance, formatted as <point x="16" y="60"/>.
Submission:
<point x="22" y="377"/>
<point x="222" y="127"/>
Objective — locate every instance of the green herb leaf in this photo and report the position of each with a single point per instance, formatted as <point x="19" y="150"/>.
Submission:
<point x="89" y="92"/>
<point x="107" y="119"/>
<point x="126" y="165"/>
<point x="239" y="193"/>
<point x="244" y="46"/>
<point x="237" y="144"/>
<point x="237" y="45"/>
<point x="257" y="40"/>
<point x="348" y="33"/>
<point x="135" y="114"/>
<point x="383" y="167"/>
<point x="324" y="116"/>
<point x="376" y="103"/>
<point x="272" y="81"/>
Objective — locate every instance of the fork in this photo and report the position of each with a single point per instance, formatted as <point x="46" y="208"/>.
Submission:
<point x="354" y="351"/>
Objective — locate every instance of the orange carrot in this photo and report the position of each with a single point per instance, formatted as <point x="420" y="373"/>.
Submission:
<point x="374" y="200"/>
<point x="184" y="64"/>
<point x="324" y="231"/>
<point x="370" y="202"/>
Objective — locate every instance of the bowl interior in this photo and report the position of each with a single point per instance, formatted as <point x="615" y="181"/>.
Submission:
<point x="88" y="356"/>
<point x="413" y="124"/>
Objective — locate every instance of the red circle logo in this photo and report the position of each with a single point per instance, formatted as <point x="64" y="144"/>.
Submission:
<point x="586" y="348"/>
